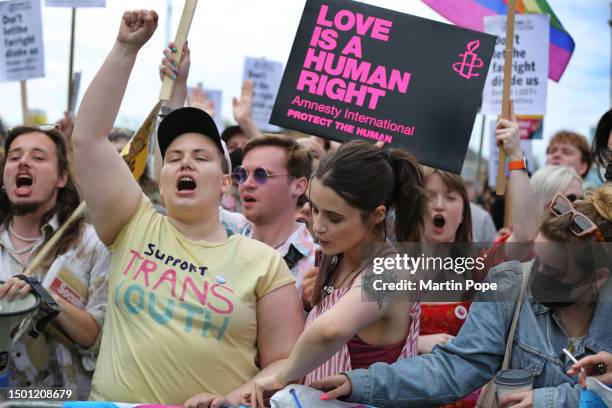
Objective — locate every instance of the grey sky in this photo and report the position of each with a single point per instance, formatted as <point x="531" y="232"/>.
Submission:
<point x="224" y="32"/>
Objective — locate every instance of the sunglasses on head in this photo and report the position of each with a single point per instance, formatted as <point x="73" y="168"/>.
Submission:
<point x="574" y="197"/>
<point x="580" y="224"/>
<point x="261" y="175"/>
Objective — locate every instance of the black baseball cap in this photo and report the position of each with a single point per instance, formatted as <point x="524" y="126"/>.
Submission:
<point x="187" y="120"/>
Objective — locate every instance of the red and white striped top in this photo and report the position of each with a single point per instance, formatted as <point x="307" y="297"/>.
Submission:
<point x="341" y="361"/>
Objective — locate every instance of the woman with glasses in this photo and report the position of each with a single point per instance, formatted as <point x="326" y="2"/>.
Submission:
<point x="350" y="193"/>
<point x="567" y="305"/>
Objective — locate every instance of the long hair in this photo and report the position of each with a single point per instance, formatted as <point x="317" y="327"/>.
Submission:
<point x="599" y="147"/>
<point x="68" y="198"/>
<point x="366" y="177"/>
<point x="455" y="183"/>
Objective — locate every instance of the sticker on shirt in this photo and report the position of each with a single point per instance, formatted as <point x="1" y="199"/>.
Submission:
<point x="461" y="312"/>
<point x="66" y="285"/>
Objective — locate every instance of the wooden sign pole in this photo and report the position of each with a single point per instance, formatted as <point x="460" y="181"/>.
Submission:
<point x="508" y="52"/>
<point x="179" y="42"/>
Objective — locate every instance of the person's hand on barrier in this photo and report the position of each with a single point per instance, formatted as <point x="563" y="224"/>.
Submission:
<point x="206" y="400"/>
<point x="507" y="136"/>
<point x="136" y="28"/>
<point x="261" y="388"/>
<point x="427" y="342"/>
<point x="308" y="284"/>
<point x="336" y="386"/>
<point x="171" y="66"/>
<point x="14" y="288"/>
<point x="518" y="400"/>
<point x="598" y="366"/>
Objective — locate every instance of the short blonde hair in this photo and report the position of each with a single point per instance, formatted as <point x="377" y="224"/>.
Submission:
<point x="550" y="180"/>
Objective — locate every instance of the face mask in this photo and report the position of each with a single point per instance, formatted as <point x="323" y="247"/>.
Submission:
<point x="552" y="293"/>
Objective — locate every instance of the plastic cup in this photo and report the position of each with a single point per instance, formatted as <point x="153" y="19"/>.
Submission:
<point x="512" y="381"/>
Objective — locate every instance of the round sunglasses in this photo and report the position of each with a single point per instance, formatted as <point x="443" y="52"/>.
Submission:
<point x="261" y="175"/>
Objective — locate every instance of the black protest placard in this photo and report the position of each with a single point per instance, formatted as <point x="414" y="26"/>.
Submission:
<point x="358" y="71"/>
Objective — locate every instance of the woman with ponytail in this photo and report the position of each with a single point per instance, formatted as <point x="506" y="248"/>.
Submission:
<point x="351" y="193"/>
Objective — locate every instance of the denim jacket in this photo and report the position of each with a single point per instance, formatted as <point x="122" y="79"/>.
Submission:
<point x="476" y="354"/>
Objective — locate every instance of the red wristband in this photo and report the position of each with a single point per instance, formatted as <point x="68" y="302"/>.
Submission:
<point x="517" y="165"/>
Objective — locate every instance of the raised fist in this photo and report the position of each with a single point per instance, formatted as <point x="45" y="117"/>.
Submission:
<point x="136" y="28"/>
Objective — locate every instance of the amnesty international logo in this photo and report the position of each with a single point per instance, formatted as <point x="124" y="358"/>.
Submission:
<point x="470" y="63"/>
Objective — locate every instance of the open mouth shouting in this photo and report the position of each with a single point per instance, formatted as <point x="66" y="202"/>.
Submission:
<point x="23" y="185"/>
<point x="438" y="222"/>
<point x="185" y="185"/>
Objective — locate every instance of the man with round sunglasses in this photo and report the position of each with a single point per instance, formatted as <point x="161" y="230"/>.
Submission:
<point x="274" y="175"/>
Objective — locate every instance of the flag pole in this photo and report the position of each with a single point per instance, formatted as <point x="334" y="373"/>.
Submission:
<point x="71" y="59"/>
<point x="508" y="53"/>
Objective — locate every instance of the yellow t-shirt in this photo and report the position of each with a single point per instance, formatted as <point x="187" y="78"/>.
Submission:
<point x="181" y="316"/>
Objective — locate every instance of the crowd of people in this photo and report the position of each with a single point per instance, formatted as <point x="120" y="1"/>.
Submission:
<point x="238" y="265"/>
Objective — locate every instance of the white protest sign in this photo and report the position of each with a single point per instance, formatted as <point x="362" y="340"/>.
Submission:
<point x="266" y="76"/>
<point x="76" y="3"/>
<point x="209" y="100"/>
<point x="526" y="147"/>
<point x="22" y="54"/>
<point x="529" y="65"/>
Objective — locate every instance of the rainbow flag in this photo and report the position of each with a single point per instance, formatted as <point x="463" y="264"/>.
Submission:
<point x="470" y="13"/>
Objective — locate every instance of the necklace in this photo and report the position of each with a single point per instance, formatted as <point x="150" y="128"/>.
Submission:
<point x="330" y="288"/>
<point x="573" y="340"/>
<point x="19" y="237"/>
<point x="25" y="249"/>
